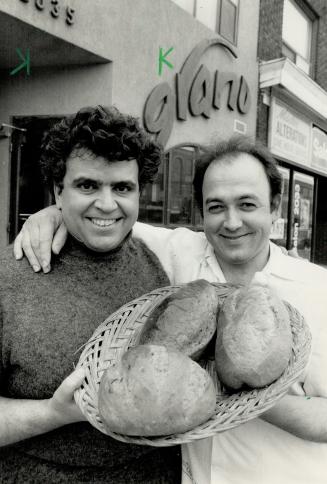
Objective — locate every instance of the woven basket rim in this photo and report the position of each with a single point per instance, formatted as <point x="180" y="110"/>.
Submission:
<point x="120" y="331"/>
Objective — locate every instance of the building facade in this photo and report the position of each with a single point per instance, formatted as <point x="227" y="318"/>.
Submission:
<point x="292" y="117"/>
<point x="188" y="69"/>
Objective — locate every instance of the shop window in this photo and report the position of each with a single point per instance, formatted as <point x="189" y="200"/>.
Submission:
<point x="153" y="199"/>
<point x="181" y="206"/>
<point x="302" y="210"/>
<point x="280" y="226"/>
<point x="180" y="187"/>
<point x="28" y="193"/>
<point x="170" y="200"/>
<point x="297" y="34"/>
<point x="219" y="15"/>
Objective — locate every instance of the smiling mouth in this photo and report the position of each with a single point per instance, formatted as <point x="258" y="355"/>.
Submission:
<point x="233" y="237"/>
<point x="101" y="222"/>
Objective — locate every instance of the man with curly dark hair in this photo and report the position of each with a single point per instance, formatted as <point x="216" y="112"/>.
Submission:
<point x="105" y="132"/>
<point x="97" y="162"/>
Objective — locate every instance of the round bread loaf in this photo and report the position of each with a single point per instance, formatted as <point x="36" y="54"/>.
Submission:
<point x="254" y="338"/>
<point x="185" y="321"/>
<point x="155" y="391"/>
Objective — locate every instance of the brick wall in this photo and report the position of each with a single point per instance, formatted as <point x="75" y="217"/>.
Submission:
<point x="320" y="7"/>
<point x="270" y="29"/>
<point x="270" y="47"/>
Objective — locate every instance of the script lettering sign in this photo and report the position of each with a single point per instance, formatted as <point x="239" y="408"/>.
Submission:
<point x="197" y="92"/>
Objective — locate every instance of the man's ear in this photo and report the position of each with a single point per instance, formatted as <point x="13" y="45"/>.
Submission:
<point x="57" y="190"/>
<point x="275" y="203"/>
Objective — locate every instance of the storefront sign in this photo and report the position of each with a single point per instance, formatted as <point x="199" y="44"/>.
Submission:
<point x="289" y="135"/>
<point x="196" y="92"/>
<point x="319" y="150"/>
<point x="55" y="8"/>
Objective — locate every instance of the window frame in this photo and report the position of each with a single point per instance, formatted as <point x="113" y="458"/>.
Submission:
<point x="219" y="4"/>
<point x="303" y="7"/>
<point x="218" y="20"/>
<point x="168" y="160"/>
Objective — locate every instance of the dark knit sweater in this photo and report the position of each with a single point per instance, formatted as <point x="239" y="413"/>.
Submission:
<point x="45" y="319"/>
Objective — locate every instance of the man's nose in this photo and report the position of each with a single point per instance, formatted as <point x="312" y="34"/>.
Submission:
<point x="106" y="200"/>
<point x="232" y="220"/>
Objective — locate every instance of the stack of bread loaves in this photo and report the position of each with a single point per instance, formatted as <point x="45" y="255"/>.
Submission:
<point x="158" y="389"/>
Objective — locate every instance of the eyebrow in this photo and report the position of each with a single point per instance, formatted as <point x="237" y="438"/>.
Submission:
<point x="242" y="197"/>
<point x="82" y="179"/>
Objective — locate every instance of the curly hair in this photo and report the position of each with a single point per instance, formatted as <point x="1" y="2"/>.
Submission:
<point x="105" y="132"/>
<point x="227" y="150"/>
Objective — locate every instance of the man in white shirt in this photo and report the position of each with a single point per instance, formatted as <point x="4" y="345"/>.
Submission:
<point x="238" y="189"/>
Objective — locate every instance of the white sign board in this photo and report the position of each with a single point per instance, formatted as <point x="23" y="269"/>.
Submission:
<point x="289" y="134"/>
<point x="319" y="150"/>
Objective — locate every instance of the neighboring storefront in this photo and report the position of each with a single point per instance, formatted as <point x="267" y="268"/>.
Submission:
<point x="186" y="83"/>
<point x="292" y="117"/>
<point x="297" y="136"/>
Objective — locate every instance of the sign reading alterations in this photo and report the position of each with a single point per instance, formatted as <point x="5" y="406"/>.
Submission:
<point x="289" y="134"/>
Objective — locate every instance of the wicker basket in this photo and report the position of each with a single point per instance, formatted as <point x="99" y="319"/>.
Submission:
<point x="121" y="330"/>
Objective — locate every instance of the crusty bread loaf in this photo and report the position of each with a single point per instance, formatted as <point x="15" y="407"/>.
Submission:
<point x="254" y="339"/>
<point x="185" y="321"/>
<point x="155" y="391"/>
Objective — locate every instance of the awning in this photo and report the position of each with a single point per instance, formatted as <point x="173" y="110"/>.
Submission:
<point x="45" y="49"/>
<point x="286" y="74"/>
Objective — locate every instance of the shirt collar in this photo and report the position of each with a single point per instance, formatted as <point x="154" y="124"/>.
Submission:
<point x="284" y="266"/>
<point x="279" y="264"/>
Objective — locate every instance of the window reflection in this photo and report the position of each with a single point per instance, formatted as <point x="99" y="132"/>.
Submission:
<point x="170" y="200"/>
<point x="152" y="200"/>
<point x="302" y="204"/>
<point x="279" y="228"/>
<point x="180" y="186"/>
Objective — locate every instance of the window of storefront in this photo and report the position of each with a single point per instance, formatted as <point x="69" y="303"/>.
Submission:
<point x="302" y="211"/>
<point x="27" y="191"/>
<point x="152" y="202"/>
<point x="219" y="15"/>
<point x="294" y="227"/>
<point x="298" y="30"/>
<point x="280" y="226"/>
<point x="170" y="200"/>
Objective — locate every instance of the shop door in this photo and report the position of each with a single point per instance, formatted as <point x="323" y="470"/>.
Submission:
<point x="320" y="253"/>
<point x="28" y="193"/>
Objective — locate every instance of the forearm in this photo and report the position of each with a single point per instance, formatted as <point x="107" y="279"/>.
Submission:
<point x="304" y="417"/>
<point x="22" y="419"/>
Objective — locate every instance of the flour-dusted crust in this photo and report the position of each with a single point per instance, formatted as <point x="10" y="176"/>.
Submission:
<point x="154" y="391"/>
<point x="254" y="339"/>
